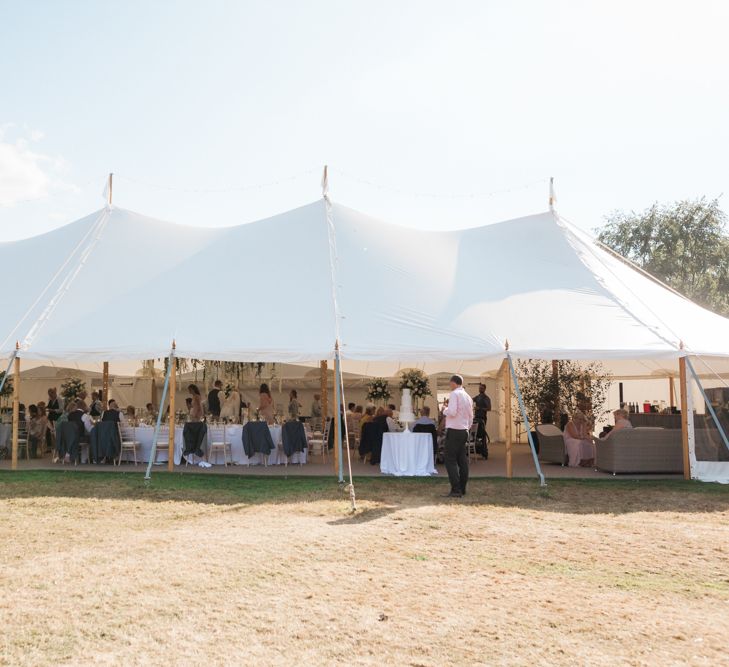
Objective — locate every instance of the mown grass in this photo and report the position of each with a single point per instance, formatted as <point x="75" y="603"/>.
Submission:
<point x="584" y="496"/>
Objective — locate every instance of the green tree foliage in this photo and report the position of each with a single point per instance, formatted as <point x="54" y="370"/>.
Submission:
<point x="578" y="384"/>
<point x="685" y="245"/>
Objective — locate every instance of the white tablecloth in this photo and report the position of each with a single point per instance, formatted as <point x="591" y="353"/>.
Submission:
<point x="6" y="431"/>
<point x="233" y="434"/>
<point x="407" y="454"/>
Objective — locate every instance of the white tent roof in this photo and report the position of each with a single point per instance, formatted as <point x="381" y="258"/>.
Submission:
<point x="120" y="286"/>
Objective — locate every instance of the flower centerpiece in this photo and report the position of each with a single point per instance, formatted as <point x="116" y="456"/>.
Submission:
<point x="72" y="388"/>
<point x="230" y="387"/>
<point x="417" y="382"/>
<point x="378" y="390"/>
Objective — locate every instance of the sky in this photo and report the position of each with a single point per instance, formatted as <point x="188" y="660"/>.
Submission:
<point x="433" y="115"/>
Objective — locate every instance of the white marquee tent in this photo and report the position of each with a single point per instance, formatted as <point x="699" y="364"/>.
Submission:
<point x="117" y="285"/>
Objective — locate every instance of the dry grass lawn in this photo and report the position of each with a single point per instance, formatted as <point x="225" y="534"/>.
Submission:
<point x="100" y="569"/>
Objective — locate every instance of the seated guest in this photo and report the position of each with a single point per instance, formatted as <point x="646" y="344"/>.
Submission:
<point x="395" y="412"/>
<point x="151" y="412"/>
<point x="37" y="425"/>
<point x="76" y="414"/>
<point x="368" y="416"/>
<point x="111" y="414"/>
<point x="622" y="421"/>
<point x="578" y="441"/>
<point x="353" y="419"/>
<point x="424" y="418"/>
<point x="129" y="418"/>
<point x="96" y="407"/>
<point x="392" y="424"/>
<point x="81" y="401"/>
<point x="381" y="418"/>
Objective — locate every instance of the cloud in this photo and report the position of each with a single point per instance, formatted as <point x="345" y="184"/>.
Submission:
<point x="26" y="174"/>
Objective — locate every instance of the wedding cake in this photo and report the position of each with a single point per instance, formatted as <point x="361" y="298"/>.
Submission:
<point x="406" y="407"/>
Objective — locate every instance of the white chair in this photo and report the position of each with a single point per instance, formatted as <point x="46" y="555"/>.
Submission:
<point x="319" y="444"/>
<point x="163" y="443"/>
<point x="23" y="440"/>
<point x="219" y="443"/>
<point x="129" y="442"/>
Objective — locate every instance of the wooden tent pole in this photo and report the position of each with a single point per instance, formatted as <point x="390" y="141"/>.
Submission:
<point x="16" y="409"/>
<point x="508" y="416"/>
<point x="684" y="417"/>
<point x="173" y="391"/>
<point x="324" y="390"/>
<point x="337" y="424"/>
<point x="105" y="383"/>
<point x="672" y="392"/>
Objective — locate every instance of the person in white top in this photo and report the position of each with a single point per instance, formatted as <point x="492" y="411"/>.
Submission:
<point x="459" y="417"/>
<point x="392" y="425"/>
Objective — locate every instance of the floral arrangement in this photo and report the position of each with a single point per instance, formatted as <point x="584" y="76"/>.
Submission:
<point x="417" y="382"/>
<point x="378" y="390"/>
<point x="229" y="389"/>
<point x="72" y="388"/>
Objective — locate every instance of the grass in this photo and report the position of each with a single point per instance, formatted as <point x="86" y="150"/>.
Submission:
<point x="201" y="569"/>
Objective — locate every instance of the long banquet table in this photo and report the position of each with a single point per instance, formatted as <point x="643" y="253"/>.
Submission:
<point x="407" y="454"/>
<point x="233" y="434"/>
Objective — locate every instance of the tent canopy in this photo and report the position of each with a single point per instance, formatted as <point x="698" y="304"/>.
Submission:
<point x="117" y="285"/>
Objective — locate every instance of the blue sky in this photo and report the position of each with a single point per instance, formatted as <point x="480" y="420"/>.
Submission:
<point x="427" y="112"/>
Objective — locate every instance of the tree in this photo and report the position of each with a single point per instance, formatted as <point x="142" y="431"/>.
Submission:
<point x="685" y="245"/>
<point x="578" y="384"/>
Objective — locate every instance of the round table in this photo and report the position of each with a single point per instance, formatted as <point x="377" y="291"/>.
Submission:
<point x="407" y="454"/>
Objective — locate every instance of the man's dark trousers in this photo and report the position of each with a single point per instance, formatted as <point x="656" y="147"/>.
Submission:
<point x="456" y="460"/>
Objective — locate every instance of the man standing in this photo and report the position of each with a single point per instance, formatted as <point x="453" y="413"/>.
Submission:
<point x="459" y="416"/>
<point x="483" y="407"/>
<point x="214" y="399"/>
<point x="316" y="413"/>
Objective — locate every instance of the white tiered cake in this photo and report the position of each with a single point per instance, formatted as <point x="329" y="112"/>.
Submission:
<point x="406" y="408"/>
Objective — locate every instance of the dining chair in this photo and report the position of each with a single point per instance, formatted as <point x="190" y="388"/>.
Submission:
<point x="219" y="443"/>
<point x="129" y="442"/>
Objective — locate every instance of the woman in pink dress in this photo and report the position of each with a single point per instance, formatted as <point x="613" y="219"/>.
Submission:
<point x="578" y="441"/>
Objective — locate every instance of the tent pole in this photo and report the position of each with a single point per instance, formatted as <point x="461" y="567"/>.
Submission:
<point x="352" y="497"/>
<point x="338" y="462"/>
<point x="555" y="377"/>
<point x="527" y="425"/>
<point x="683" y="381"/>
<point x="672" y="392"/>
<point x="153" y="453"/>
<point x="105" y="383"/>
<point x="324" y="390"/>
<point x="111" y="185"/>
<point x="173" y="391"/>
<point x="16" y="408"/>
<point x="508" y="417"/>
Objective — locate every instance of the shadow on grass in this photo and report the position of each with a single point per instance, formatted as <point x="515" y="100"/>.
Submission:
<point x="378" y="497"/>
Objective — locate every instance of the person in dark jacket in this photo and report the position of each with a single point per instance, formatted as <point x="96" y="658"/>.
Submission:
<point x="214" y="399"/>
<point x="111" y="414"/>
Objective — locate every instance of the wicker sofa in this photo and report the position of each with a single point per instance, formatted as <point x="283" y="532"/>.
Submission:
<point x="647" y="450"/>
